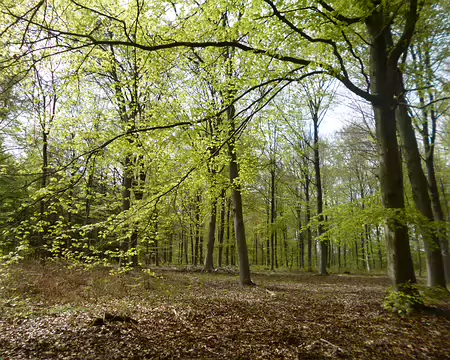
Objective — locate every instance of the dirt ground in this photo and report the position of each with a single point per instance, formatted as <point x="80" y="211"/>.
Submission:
<point x="52" y="312"/>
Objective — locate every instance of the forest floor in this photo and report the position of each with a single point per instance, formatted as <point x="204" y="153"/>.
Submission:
<point x="52" y="312"/>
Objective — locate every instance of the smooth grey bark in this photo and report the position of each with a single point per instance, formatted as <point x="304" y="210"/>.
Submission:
<point x="383" y="71"/>
<point x="236" y="197"/>
<point x="419" y="185"/>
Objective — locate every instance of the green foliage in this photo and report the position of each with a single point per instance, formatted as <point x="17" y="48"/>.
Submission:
<point x="435" y="295"/>
<point x="403" y="300"/>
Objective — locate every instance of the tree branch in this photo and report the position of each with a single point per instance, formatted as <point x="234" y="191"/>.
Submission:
<point x="408" y="32"/>
<point x="338" y="16"/>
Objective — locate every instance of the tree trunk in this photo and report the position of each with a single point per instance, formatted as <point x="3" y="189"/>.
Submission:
<point x="383" y="78"/>
<point x="300" y="238"/>
<point x="323" y="243"/>
<point x="41" y="253"/>
<point x="435" y="267"/>
<point x="209" y="261"/>
<point x="186" y="248"/>
<point x="227" y="247"/>
<point x="197" y="230"/>
<point x="244" y="265"/>
<point x="139" y="195"/>
<point x="221" y="228"/>
<point x="286" y="249"/>
<point x="273" y="216"/>
<point x="429" y="142"/>
<point x="308" y="213"/>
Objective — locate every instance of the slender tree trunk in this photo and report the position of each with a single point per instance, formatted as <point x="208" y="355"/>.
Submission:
<point x="138" y="194"/>
<point x="273" y="216"/>
<point x="363" y="235"/>
<point x="197" y="230"/>
<point x="244" y="265"/>
<point x="127" y="181"/>
<point x="221" y="228"/>
<point x="276" y="248"/>
<point x="186" y="248"/>
<point x="255" y="252"/>
<point x="209" y="262"/>
<point x="369" y="252"/>
<point x="156" y="242"/>
<point x="181" y="248"/>
<point x="268" y="234"/>
<point x="88" y="201"/>
<point x="345" y="255"/>
<point x="41" y="253"/>
<point x="419" y="185"/>
<point x="308" y="220"/>
<point x="380" y="254"/>
<point x="323" y="243"/>
<point x="192" y="228"/>
<point x="300" y="238"/>
<point x="285" y="241"/>
<point x="227" y="247"/>
<point x="339" y="255"/>
<point x="429" y="141"/>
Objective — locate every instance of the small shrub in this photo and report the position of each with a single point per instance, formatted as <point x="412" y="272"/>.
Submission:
<point x="403" y="300"/>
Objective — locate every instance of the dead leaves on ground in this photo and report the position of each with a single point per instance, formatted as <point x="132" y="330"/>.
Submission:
<point x="185" y="315"/>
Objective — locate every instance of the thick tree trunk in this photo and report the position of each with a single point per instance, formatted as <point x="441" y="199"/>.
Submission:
<point x="244" y="265"/>
<point x="383" y="78"/>
<point x="435" y="267"/>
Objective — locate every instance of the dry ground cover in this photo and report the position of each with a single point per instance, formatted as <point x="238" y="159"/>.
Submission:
<point x="55" y="313"/>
